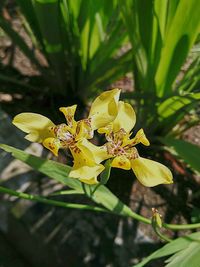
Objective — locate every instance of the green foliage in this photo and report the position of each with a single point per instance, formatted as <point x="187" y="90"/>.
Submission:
<point x="105" y="175"/>
<point x="101" y="195"/>
<point x="161" y="41"/>
<point x="186" y="252"/>
<point x="80" y="41"/>
<point x="187" y="151"/>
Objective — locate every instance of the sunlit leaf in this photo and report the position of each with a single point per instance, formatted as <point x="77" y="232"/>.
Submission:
<point x="187" y="151"/>
<point x="187" y="250"/>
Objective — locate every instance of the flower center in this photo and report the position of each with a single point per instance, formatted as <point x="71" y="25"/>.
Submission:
<point x="64" y="135"/>
<point x="117" y="145"/>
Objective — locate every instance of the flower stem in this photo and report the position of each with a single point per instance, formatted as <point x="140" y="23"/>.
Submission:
<point x="177" y="227"/>
<point x="129" y="213"/>
<point x="50" y="201"/>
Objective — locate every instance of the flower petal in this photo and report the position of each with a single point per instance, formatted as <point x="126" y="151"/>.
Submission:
<point x="37" y="126"/>
<point x="69" y="114"/>
<point x="106" y="130"/>
<point x="121" y="162"/>
<point x="86" y="163"/>
<point x="84" y="130"/>
<point x="104" y="108"/>
<point x="125" y="119"/>
<point x="52" y="144"/>
<point x="140" y="137"/>
<point x="151" y="173"/>
<point x="97" y="153"/>
<point x="87" y="174"/>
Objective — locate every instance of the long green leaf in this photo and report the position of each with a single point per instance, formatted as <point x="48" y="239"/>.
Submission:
<point x="187" y="151"/>
<point x="181" y="35"/>
<point x="182" y="245"/>
<point x="50" y="22"/>
<point x="187" y="257"/>
<point x="60" y="173"/>
<point x="173" y="104"/>
<point x="29" y="13"/>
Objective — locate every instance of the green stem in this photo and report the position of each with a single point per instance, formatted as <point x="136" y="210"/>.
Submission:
<point x="181" y="226"/>
<point x="50" y="201"/>
<point x="162" y="236"/>
<point x="129" y="213"/>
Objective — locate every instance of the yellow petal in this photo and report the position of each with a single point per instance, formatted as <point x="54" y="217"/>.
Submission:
<point x="104" y="108"/>
<point x="85" y="167"/>
<point x="37" y="126"/>
<point x="121" y="162"/>
<point x="87" y="174"/>
<point x="69" y="114"/>
<point x="141" y="138"/>
<point x="125" y="119"/>
<point x="97" y="153"/>
<point x="82" y="155"/>
<point x="106" y="130"/>
<point x="86" y="153"/>
<point x="84" y="130"/>
<point x="52" y="144"/>
<point x="151" y="173"/>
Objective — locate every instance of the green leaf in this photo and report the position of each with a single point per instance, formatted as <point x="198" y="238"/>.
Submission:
<point x="28" y="11"/>
<point x="60" y="172"/>
<point x="173" y="104"/>
<point x="105" y="175"/>
<point x="187" y="257"/>
<point x="180" y="246"/>
<point x="180" y="37"/>
<point x="187" y="151"/>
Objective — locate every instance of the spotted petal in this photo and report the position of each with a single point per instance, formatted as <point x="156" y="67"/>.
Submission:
<point x="84" y="130"/>
<point x="140" y="137"/>
<point x="104" y="108"/>
<point x="37" y="126"/>
<point x="85" y="168"/>
<point x="151" y="173"/>
<point x="53" y="144"/>
<point x="69" y="115"/>
<point x="121" y="162"/>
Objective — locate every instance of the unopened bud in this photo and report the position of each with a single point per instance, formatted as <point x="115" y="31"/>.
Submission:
<point x="156" y="218"/>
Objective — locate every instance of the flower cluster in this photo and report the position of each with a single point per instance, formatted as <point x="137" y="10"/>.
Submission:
<point x="109" y="116"/>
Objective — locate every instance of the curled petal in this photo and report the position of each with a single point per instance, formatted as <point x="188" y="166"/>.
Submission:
<point x="52" y="144"/>
<point x="151" y="173"/>
<point x="125" y="119"/>
<point x="86" y="161"/>
<point x="121" y="162"/>
<point x="37" y="126"/>
<point x="97" y="153"/>
<point x="69" y="114"/>
<point x="140" y="137"/>
<point x="104" y="108"/>
<point x="106" y="130"/>
<point x="86" y="153"/>
<point x="87" y="174"/>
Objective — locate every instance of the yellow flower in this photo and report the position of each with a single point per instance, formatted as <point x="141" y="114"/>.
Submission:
<point x="122" y="149"/>
<point x="74" y="134"/>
